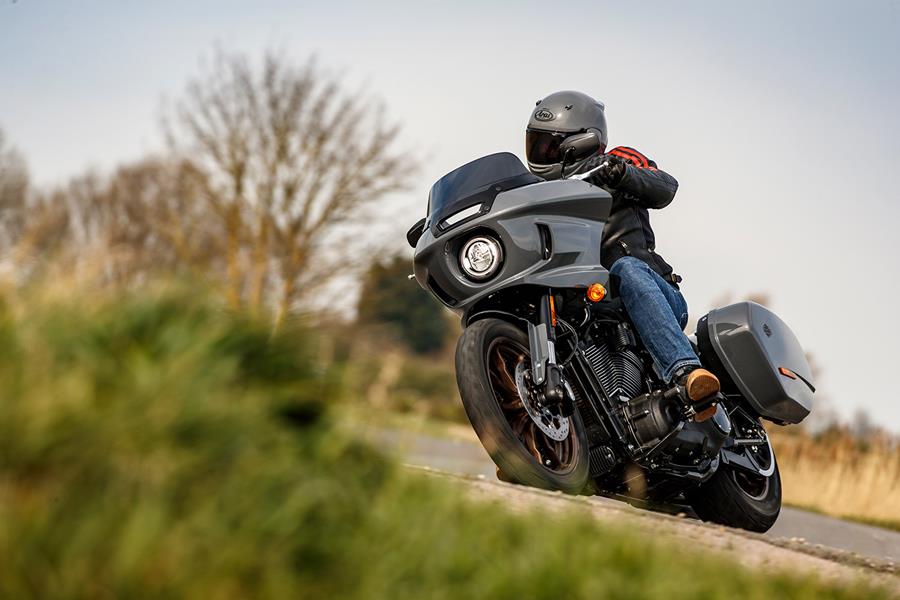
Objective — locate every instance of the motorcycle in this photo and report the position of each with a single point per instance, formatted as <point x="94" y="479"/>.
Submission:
<point x="552" y="375"/>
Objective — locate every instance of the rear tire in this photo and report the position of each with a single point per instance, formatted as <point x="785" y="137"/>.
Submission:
<point x="480" y="368"/>
<point x="735" y="498"/>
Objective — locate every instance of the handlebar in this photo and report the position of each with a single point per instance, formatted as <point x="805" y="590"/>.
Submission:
<point x="586" y="174"/>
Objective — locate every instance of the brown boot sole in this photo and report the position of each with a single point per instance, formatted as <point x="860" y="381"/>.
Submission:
<point x="701" y="384"/>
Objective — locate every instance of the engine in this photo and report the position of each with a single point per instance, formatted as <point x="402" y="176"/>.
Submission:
<point x="619" y="370"/>
<point x="649" y="416"/>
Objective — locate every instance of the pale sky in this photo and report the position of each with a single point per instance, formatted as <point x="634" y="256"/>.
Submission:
<point x="779" y="121"/>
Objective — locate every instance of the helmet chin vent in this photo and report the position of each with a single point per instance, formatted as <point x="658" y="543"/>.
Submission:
<point x="546" y="171"/>
<point x="555" y="171"/>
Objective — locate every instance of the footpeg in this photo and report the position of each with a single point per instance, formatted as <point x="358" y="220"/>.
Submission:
<point x="700" y="410"/>
<point x="704" y="409"/>
<point x="700" y="391"/>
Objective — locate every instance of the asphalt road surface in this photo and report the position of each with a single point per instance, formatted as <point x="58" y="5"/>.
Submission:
<point x="464" y="457"/>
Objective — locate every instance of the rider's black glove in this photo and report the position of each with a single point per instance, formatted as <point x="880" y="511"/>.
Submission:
<point x="611" y="170"/>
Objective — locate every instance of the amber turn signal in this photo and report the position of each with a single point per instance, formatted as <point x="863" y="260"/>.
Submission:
<point x="552" y="311"/>
<point x="787" y="372"/>
<point x="596" y="292"/>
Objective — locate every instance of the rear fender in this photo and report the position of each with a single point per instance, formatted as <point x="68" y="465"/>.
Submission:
<point x="744" y="462"/>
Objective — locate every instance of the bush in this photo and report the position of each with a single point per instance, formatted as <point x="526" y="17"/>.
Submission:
<point x="162" y="447"/>
<point x="158" y="447"/>
<point x="429" y="389"/>
<point x="391" y="301"/>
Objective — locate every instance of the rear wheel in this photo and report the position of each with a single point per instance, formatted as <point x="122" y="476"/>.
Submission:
<point x="741" y="498"/>
<point x="492" y="360"/>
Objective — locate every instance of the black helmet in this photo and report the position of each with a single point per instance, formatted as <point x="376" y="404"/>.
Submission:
<point x="555" y="118"/>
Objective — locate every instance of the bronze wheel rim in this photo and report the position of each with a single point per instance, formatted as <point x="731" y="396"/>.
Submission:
<point x="503" y="356"/>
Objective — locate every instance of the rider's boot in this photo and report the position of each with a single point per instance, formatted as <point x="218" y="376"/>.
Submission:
<point x="699" y="385"/>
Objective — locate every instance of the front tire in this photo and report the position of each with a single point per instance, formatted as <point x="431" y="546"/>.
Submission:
<point x="486" y="357"/>
<point x="739" y="499"/>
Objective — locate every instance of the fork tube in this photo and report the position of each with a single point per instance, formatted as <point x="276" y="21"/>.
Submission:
<point x="542" y="341"/>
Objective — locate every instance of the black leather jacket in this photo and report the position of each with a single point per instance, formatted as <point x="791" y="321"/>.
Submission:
<point x="628" y="231"/>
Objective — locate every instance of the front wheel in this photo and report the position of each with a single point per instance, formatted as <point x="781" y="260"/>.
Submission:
<point x="490" y="358"/>
<point x="739" y="498"/>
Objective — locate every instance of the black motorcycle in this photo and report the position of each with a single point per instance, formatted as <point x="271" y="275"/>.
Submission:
<point x="552" y="375"/>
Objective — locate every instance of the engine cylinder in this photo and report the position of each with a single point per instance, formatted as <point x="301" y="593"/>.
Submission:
<point x="620" y="373"/>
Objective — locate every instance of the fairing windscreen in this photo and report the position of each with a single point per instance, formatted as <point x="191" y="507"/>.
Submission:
<point x="473" y="184"/>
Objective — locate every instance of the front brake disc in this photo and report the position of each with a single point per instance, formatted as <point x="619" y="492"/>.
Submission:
<point x="553" y="426"/>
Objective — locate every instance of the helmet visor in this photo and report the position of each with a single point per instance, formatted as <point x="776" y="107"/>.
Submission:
<point x="542" y="147"/>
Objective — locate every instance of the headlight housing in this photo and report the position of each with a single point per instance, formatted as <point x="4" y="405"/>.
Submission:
<point x="480" y="257"/>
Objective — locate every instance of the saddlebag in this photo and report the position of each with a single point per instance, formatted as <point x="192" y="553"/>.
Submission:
<point x="761" y="356"/>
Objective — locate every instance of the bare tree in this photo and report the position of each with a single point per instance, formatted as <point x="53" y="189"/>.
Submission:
<point x="157" y="212"/>
<point x="13" y="191"/>
<point x="147" y="217"/>
<point x="273" y="172"/>
<point x="290" y="158"/>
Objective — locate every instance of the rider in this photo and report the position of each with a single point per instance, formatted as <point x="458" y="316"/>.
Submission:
<point x="647" y="284"/>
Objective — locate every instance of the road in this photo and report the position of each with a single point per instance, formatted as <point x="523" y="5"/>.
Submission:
<point x="462" y="456"/>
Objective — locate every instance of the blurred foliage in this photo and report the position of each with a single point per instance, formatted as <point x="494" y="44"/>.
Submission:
<point x="389" y="297"/>
<point x="14" y="184"/>
<point x="159" y="446"/>
<point x="420" y="381"/>
<point x="381" y="375"/>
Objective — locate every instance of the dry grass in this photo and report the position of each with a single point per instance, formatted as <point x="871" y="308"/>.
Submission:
<point x="838" y="475"/>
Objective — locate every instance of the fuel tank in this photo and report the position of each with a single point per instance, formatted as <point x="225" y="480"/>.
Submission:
<point x="762" y="357"/>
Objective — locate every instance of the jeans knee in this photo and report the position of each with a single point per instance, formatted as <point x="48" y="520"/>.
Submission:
<point x="628" y="268"/>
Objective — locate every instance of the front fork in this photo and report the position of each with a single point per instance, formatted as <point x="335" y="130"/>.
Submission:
<point x="546" y="375"/>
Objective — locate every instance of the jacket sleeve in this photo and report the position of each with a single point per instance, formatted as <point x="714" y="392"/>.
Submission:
<point x="643" y="183"/>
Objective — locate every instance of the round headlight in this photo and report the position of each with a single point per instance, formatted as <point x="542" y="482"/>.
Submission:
<point x="480" y="257"/>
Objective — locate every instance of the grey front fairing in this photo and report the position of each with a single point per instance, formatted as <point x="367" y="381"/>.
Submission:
<point x="550" y="233"/>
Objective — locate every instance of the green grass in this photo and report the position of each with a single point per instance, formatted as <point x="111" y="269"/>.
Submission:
<point x="155" y="446"/>
<point x="883" y="523"/>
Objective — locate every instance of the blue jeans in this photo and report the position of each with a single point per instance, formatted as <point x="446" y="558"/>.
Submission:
<point x="659" y="313"/>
